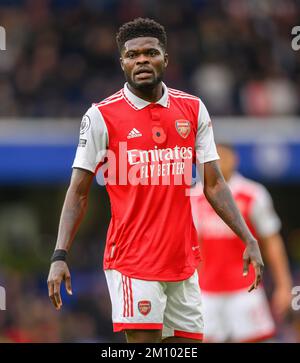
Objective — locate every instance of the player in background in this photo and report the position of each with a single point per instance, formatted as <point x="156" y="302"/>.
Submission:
<point x="152" y="132"/>
<point x="231" y="314"/>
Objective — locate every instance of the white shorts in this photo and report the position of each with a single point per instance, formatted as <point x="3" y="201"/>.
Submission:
<point x="238" y="316"/>
<point x="173" y="307"/>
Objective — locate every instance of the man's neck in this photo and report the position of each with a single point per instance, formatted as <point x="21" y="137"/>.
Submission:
<point x="148" y="94"/>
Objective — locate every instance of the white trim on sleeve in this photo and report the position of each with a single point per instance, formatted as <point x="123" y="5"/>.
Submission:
<point x="205" y="144"/>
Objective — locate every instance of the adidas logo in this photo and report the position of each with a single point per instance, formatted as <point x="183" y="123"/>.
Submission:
<point x="134" y="133"/>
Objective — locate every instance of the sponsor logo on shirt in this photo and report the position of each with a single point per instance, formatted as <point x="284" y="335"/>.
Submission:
<point x="156" y="166"/>
<point x="134" y="133"/>
<point x="136" y="156"/>
<point x="144" y="307"/>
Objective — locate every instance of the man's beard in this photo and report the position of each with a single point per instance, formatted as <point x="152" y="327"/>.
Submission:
<point x="147" y="86"/>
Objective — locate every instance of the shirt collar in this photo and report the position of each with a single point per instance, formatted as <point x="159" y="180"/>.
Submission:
<point x="139" y="103"/>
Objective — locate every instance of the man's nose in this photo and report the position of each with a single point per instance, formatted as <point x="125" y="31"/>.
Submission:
<point x="142" y="59"/>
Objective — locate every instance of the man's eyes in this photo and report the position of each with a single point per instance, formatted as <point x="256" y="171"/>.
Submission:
<point x="151" y="53"/>
<point x="131" y="55"/>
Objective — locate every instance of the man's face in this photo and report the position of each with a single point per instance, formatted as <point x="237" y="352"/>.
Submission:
<point x="143" y="61"/>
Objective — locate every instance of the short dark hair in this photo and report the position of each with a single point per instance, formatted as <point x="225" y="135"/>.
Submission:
<point x="141" y="27"/>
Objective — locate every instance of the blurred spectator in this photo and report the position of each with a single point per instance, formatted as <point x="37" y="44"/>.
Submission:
<point x="61" y="56"/>
<point x="274" y="96"/>
<point x="215" y="84"/>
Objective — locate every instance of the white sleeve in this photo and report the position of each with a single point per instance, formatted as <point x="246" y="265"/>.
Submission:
<point x="263" y="215"/>
<point x="205" y="144"/>
<point x="93" y="141"/>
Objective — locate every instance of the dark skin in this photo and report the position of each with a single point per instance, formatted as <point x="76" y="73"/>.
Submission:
<point x="73" y="211"/>
<point x="143" y="61"/>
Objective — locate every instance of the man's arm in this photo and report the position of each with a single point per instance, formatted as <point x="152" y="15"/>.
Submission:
<point x="73" y="211"/>
<point x="274" y="252"/>
<point x="221" y="199"/>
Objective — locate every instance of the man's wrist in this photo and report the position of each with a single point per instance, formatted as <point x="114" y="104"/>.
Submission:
<point x="251" y="241"/>
<point x="59" y="255"/>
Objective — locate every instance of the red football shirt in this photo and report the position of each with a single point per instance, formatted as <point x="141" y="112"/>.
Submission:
<point x="147" y="150"/>
<point x="221" y="249"/>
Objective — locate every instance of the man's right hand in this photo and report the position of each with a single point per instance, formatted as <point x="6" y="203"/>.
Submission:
<point x="59" y="272"/>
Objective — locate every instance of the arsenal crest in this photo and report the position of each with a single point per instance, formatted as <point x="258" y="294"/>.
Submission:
<point x="144" y="307"/>
<point x="183" y="128"/>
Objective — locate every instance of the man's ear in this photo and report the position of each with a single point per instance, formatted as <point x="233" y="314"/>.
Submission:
<point x="121" y="63"/>
<point x="166" y="57"/>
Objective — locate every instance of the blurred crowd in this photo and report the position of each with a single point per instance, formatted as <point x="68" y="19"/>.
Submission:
<point x="236" y="54"/>
<point x="28" y="226"/>
<point x="61" y="56"/>
<point x="31" y="318"/>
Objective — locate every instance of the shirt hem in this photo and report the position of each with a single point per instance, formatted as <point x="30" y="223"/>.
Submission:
<point x="182" y="277"/>
<point x="83" y="167"/>
<point x="210" y="158"/>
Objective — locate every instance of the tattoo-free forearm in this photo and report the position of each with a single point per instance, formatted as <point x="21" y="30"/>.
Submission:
<point x="74" y="208"/>
<point x="221" y="199"/>
<point x="71" y="216"/>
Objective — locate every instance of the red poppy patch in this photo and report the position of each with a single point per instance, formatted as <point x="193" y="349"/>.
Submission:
<point x="158" y="134"/>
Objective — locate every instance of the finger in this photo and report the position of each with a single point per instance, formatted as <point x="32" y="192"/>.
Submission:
<point x="258" y="280"/>
<point x="68" y="285"/>
<point x="51" y="293"/>
<point x="252" y="287"/>
<point x="245" y="267"/>
<point x="261" y="270"/>
<point x="57" y="300"/>
<point x="50" y="288"/>
<point x="52" y="298"/>
<point x="258" y="275"/>
<point x="255" y="283"/>
<point x="57" y="294"/>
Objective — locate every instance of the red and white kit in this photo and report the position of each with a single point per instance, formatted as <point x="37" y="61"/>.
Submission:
<point x="151" y="236"/>
<point x="230" y="312"/>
